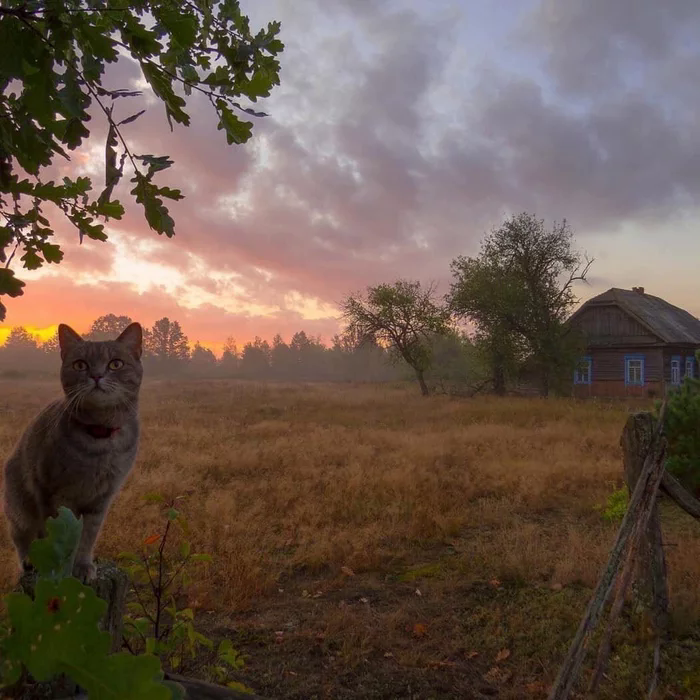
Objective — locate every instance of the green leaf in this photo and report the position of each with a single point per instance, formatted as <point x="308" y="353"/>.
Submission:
<point x="110" y="210"/>
<point x="237" y="131"/>
<point x="9" y="284"/>
<point x="162" y="87"/>
<point x="178" y="692"/>
<point x="169" y="193"/>
<point x="182" y="27"/>
<point x="7" y="235"/>
<point x="156" y="212"/>
<point x="173" y="513"/>
<point x="132" y="118"/>
<point x="31" y="260"/>
<point x="53" y="555"/>
<point x="155" y="163"/>
<point x="52" y="253"/>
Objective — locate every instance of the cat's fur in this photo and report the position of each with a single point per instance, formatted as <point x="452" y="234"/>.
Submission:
<point x="78" y="451"/>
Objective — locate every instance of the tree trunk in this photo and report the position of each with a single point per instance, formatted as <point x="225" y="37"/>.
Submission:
<point x="546" y="380"/>
<point x="499" y="375"/>
<point x="421" y="380"/>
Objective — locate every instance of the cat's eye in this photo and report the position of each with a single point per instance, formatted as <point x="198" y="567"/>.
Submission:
<point x="116" y="364"/>
<point x="80" y="365"/>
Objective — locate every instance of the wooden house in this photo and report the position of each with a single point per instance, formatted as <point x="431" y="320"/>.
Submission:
<point x="636" y="345"/>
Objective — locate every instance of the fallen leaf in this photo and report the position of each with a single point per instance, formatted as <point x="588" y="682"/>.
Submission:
<point x="557" y="586"/>
<point x="151" y="539"/>
<point x="419" y="630"/>
<point x="304" y="594"/>
<point x="347" y="570"/>
<point x="364" y="600"/>
<point x="388" y="655"/>
<point x="441" y="664"/>
<point x="494" y="582"/>
<point x="471" y="654"/>
<point x="418" y="593"/>
<point x="502" y="655"/>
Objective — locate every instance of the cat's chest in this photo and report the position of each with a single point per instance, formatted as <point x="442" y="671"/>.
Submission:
<point x="79" y="478"/>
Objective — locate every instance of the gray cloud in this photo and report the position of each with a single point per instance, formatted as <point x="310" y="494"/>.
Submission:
<point x="360" y="175"/>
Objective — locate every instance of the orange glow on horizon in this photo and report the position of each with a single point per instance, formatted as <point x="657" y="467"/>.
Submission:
<point x="44" y="334"/>
<point x="41" y="334"/>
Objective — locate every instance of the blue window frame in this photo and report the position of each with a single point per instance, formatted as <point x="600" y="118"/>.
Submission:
<point x="676" y="369"/>
<point x="690" y="367"/>
<point x="583" y="374"/>
<point x="634" y="370"/>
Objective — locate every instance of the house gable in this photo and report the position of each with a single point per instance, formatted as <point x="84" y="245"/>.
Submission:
<point x="608" y="325"/>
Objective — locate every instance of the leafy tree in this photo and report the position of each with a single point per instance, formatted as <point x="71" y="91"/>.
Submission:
<point x="281" y="361"/>
<point x="481" y="294"/>
<point x="458" y="366"/>
<point x="21" y="340"/>
<point x="21" y="353"/>
<point x="52" y="75"/>
<point x="51" y="346"/>
<point x="519" y="293"/>
<point x="255" y="359"/>
<point x="229" y="357"/>
<point x="202" y="359"/>
<point x="167" y="344"/>
<point x="682" y="420"/>
<point x="404" y="317"/>
<point x="107" y="327"/>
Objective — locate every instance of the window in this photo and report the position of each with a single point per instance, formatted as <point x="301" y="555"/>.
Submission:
<point x="634" y="370"/>
<point x="584" y="372"/>
<point x="675" y="370"/>
<point x="689" y="367"/>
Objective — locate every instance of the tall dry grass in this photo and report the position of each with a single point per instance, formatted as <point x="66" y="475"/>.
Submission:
<point x="286" y="480"/>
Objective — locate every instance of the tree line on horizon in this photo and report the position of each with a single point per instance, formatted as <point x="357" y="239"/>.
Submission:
<point x="168" y="352"/>
<point x="515" y="297"/>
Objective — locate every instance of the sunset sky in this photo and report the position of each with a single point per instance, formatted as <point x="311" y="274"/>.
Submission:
<point x="400" y="134"/>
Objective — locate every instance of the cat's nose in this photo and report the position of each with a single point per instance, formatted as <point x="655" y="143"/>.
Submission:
<point x="97" y="378"/>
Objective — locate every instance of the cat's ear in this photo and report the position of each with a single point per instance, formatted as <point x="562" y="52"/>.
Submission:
<point x="67" y="338"/>
<point x="132" y="337"/>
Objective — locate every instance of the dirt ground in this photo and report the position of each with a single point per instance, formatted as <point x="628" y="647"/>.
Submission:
<point x="369" y="543"/>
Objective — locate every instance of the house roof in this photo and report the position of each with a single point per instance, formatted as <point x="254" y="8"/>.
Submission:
<point x="670" y="323"/>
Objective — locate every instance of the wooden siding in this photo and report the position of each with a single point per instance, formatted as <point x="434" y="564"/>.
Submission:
<point x="609" y="364"/>
<point x="670" y="352"/>
<point x="610" y="326"/>
<point x="608" y="373"/>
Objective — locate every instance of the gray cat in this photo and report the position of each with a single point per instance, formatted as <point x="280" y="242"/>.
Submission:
<point x="79" y="450"/>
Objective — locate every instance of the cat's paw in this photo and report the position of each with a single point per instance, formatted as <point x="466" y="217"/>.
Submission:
<point x="84" y="571"/>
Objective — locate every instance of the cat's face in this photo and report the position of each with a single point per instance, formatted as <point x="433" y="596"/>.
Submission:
<point x="103" y="374"/>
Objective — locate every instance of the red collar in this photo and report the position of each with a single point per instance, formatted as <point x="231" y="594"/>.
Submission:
<point x="99" y="431"/>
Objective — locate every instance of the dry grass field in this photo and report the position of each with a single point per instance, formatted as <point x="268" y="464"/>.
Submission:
<point x="369" y="543"/>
